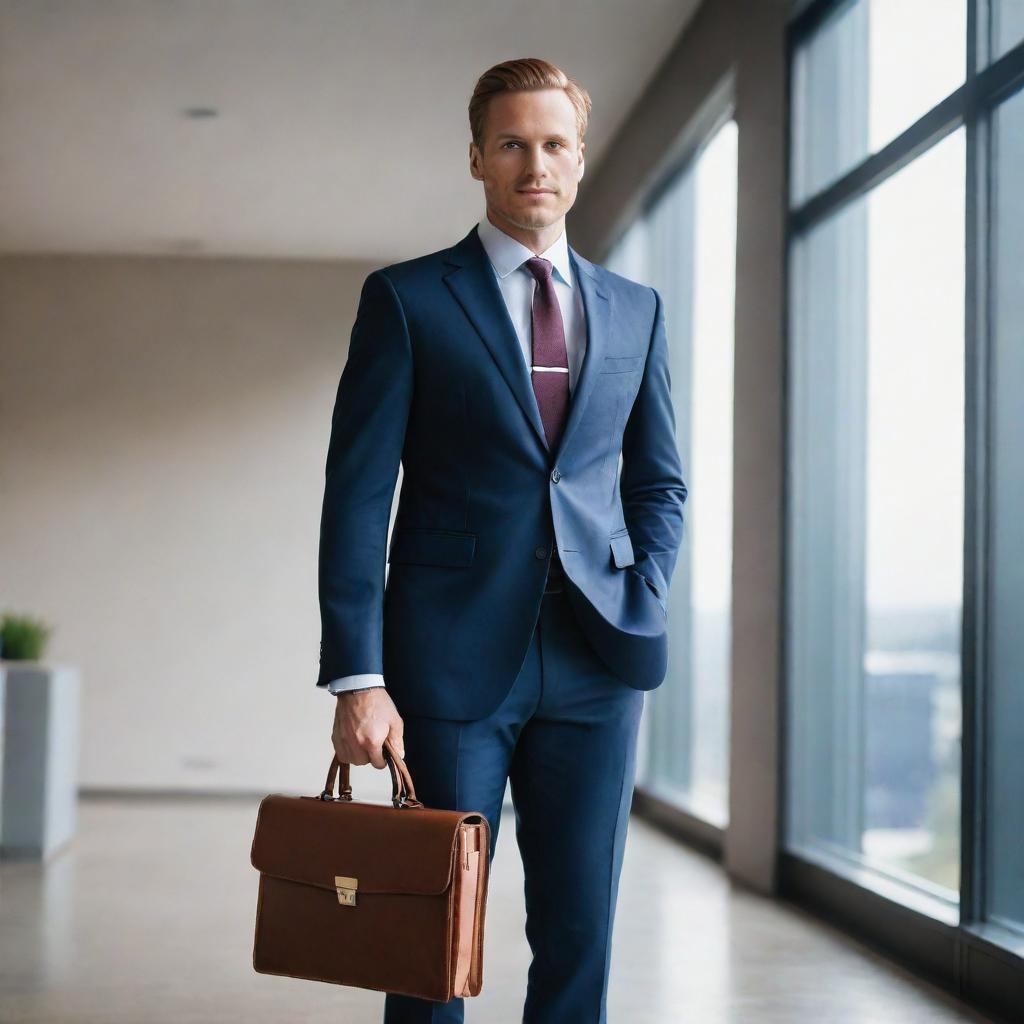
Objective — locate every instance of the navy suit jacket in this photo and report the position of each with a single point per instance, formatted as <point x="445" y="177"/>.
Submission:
<point x="435" y="380"/>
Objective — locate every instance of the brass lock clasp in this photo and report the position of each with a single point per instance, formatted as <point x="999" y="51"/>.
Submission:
<point x="346" y="888"/>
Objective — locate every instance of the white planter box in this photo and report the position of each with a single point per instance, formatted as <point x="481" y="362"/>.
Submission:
<point x="39" y="737"/>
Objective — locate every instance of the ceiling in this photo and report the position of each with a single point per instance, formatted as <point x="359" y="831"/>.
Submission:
<point x="341" y="128"/>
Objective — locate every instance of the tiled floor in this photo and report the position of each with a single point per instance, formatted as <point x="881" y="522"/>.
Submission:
<point x="148" y="917"/>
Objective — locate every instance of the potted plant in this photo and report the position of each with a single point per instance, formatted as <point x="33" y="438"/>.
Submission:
<point x="23" y="638"/>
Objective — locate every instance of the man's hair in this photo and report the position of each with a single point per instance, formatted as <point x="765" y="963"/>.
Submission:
<point x="523" y="75"/>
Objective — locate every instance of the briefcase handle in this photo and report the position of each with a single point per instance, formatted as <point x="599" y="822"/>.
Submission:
<point x="403" y="793"/>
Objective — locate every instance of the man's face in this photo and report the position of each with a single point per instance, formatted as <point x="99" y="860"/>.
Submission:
<point x="532" y="161"/>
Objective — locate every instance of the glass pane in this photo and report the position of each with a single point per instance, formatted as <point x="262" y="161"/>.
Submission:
<point x="1006" y="601"/>
<point x="876" y="527"/>
<point x="868" y="73"/>
<point x="711" y="470"/>
<point x="629" y="256"/>
<point x="1007" y="25"/>
<point x="689" y="241"/>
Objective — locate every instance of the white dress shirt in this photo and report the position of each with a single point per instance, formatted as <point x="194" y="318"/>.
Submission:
<point x="517" y="286"/>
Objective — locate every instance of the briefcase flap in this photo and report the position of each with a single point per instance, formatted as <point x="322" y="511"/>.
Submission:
<point x="385" y="848"/>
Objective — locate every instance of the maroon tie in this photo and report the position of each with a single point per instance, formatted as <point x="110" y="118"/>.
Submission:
<point x="550" y="370"/>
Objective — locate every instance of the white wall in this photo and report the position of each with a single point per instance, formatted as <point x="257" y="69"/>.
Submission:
<point x="163" y="430"/>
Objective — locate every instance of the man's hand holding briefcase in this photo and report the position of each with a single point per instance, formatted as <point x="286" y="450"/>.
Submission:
<point x="386" y="897"/>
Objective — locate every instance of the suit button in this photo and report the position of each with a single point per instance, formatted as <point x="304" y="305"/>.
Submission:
<point x="555" y="475"/>
<point x="541" y="552"/>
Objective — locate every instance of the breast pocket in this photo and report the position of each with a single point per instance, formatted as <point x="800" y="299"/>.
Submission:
<point x="416" y="545"/>
<point x="621" y="364"/>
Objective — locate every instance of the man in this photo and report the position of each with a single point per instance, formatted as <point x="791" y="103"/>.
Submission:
<point x="525" y="611"/>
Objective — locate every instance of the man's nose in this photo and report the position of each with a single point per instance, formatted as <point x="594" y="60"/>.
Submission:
<point x="537" y="165"/>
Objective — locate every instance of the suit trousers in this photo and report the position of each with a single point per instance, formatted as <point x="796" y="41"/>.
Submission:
<point x="565" y="738"/>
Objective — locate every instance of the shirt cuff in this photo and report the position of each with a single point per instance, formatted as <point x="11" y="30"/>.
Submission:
<point x="363" y="681"/>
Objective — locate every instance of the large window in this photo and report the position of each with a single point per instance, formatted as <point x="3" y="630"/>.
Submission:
<point x="876" y="523"/>
<point x="685" y="246"/>
<point x="905" y="538"/>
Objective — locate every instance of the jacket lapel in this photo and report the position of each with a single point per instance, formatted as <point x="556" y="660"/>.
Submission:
<point x="474" y="286"/>
<point x="598" y="309"/>
<point x="472" y="282"/>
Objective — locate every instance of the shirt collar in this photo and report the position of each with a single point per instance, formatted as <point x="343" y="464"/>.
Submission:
<point x="507" y="254"/>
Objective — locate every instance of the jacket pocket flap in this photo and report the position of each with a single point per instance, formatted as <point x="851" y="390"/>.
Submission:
<point x="622" y="550"/>
<point x="421" y="546"/>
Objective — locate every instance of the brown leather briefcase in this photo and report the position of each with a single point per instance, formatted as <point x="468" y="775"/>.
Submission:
<point x="385" y="897"/>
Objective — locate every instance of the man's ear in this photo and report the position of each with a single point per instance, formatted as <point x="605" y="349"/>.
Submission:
<point x="579" y="173"/>
<point x="472" y="169"/>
